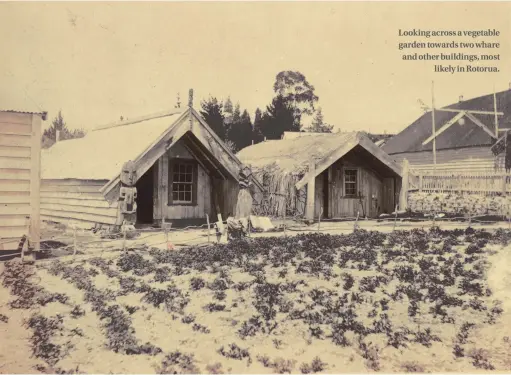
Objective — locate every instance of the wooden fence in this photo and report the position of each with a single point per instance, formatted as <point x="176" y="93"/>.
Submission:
<point x="485" y="183"/>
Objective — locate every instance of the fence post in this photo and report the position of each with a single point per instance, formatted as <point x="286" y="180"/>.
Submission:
<point x="403" y="197"/>
<point x="285" y="208"/>
<point x="420" y="182"/>
<point x="311" y="190"/>
<point x="504" y="185"/>
<point x="355" y="225"/>
<point x="209" y="227"/>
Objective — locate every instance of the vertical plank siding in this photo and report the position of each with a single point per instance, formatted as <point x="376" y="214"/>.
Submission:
<point x="20" y="144"/>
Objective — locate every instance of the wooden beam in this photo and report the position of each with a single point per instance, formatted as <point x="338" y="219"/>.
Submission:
<point x="481" y="125"/>
<point x="208" y="159"/>
<point x="470" y="111"/>
<point x="137" y="119"/>
<point x="403" y="196"/>
<point x="446" y="126"/>
<point x="35" y="183"/>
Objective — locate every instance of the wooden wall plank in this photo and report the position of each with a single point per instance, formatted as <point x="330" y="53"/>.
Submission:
<point x="15" y="209"/>
<point x="14" y="185"/>
<point x="9" y="243"/>
<point x="15" y="118"/>
<point x="73" y="195"/>
<point x="15" y="152"/>
<point x="13" y="220"/>
<point x="15" y="174"/>
<point x="73" y="182"/>
<point x="78" y="202"/>
<point x="9" y="128"/>
<point x="15" y="140"/>
<point x="14" y="197"/>
<point x="80" y="209"/>
<point x="79" y="216"/>
<point x="12" y="232"/>
<point x="7" y="162"/>
<point x="35" y="182"/>
<point x="70" y="189"/>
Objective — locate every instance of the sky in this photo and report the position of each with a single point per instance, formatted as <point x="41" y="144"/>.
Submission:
<point x="99" y="61"/>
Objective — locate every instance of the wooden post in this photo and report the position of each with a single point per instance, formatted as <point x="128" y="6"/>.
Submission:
<point x="420" y="182"/>
<point x="35" y="184"/>
<point x="167" y="237"/>
<point x="319" y="218"/>
<point x="433" y="122"/>
<point x="355" y="226"/>
<point x="403" y="197"/>
<point x="311" y="193"/>
<point x="504" y="185"/>
<point x="209" y="226"/>
<point x="395" y="219"/>
<point x="285" y="206"/>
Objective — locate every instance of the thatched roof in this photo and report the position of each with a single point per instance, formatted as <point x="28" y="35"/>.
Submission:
<point x="292" y="156"/>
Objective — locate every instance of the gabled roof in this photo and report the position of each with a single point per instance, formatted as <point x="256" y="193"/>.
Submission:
<point x="293" y="135"/>
<point x="293" y="156"/>
<point x="456" y="136"/>
<point x="102" y="152"/>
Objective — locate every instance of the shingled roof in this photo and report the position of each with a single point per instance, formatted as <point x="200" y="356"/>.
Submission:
<point x="456" y="136"/>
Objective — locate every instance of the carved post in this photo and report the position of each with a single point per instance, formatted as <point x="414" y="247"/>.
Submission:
<point x="311" y="189"/>
<point x="127" y="205"/>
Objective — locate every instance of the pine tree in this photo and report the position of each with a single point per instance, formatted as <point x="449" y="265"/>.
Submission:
<point x="278" y="118"/>
<point x="318" y="125"/>
<point x="212" y="113"/>
<point x="257" y="135"/>
<point x="50" y="135"/>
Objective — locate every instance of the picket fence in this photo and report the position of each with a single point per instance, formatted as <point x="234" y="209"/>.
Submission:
<point x="486" y="183"/>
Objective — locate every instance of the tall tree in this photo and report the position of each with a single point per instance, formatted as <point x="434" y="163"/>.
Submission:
<point x="297" y="91"/>
<point x="236" y="115"/>
<point x="257" y="135"/>
<point x="240" y="132"/>
<point x="318" y="125"/>
<point x="58" y="124"/>
<point x="278" y="118"/>
<point x="212" y="113"/>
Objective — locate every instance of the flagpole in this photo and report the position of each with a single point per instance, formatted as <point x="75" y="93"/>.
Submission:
<point x="433" y="122"/>
<point x="495" y="109"/>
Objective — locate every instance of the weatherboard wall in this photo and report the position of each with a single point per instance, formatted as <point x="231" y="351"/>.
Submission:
<point x="20" y="168"/>
<point x="76" y="202"/>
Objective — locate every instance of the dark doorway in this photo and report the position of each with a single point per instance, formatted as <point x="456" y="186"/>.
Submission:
<point x="145" y="186"/>
<point x="326" y="191"/>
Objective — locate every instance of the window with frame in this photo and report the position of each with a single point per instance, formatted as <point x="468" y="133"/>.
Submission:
<point x="350" y="182"/>
<point x="182" y="182"/>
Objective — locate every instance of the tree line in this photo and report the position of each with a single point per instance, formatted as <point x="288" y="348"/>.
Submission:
<point x="294" y="98"/>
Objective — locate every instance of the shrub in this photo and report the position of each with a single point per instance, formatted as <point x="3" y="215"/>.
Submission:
<point x="178" y="363"/>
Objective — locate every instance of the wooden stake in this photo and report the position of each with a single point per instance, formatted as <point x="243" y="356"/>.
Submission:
<point x="319" y="218"/>
<point x="355" y="226"/>
<point x="209" y="226"/>
<point x="285" y="206"/>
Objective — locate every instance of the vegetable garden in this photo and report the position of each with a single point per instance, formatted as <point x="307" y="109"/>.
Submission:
<point x="407" y="301"/>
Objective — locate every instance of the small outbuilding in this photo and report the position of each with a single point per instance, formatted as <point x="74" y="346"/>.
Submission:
<point x="184" y="172"/>
<point x="332" y="176"/>
<point x="20" y="163"/>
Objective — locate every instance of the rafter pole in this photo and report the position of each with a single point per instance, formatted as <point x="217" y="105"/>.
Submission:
<point x="433" y="122"/>
<point x="470" y="111"/>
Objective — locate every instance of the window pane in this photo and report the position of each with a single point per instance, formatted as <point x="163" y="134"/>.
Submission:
<point x="175" y="196"/>
<point x="188" y="197"/>
<point x="189" y="168"/>
<point x="188" y="177"/>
